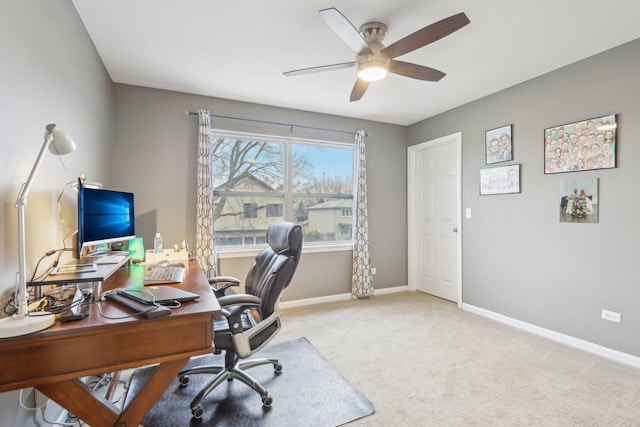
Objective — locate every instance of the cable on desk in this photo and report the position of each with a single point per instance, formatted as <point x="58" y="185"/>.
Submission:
<point x="176" y="304"/>
<point x="10" y="303"/>
<point x="60" y="299"/>
<point x="51" y="266"/>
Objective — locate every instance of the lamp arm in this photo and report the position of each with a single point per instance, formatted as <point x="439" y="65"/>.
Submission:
<point x="22" y="323"/>
<point x="21" y="296"/>
<point x="26" y="187"/>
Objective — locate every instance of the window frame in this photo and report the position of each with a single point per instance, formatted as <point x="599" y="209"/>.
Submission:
<point x="287" y="195"/>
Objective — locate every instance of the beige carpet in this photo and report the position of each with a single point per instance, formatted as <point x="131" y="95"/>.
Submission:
<point x="422" y="361"/>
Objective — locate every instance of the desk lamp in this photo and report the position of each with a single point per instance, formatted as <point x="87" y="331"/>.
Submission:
<point x="58" y="142"/>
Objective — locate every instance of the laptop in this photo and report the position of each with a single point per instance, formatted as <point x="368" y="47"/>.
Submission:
<point x="164" y="295"/>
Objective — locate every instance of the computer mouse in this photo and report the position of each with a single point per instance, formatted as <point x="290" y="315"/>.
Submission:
<point x="179" y="264"/>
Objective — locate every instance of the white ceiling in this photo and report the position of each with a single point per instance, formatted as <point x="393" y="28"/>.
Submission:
<point x="239" y="49"/>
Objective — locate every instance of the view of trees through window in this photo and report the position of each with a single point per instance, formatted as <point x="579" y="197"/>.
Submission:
<point x="260" y="181"/>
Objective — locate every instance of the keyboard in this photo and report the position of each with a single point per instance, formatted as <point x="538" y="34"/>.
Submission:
<point x="164" y="274"/>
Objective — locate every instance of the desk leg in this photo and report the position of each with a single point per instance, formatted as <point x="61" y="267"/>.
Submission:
<point x="151" y="392"/>
<point x="82" y="401"/>
<point x="95" y="410"/>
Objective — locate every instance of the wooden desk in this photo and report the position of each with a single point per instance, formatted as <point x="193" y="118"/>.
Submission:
<point x="52" y="360"/>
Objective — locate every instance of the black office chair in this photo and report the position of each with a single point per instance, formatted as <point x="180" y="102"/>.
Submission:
<point x="249" y="321"/>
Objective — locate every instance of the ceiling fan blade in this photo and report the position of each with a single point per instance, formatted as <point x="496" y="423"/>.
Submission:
<point x="319" y="69"/>
<point x="358" y="90"/>
<point x="344" y="29"/>
<point x="415" y="71"/>
<point x="428" y="34"/>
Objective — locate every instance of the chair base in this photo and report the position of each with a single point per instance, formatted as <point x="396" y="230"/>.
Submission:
<point x="233" y="369"/>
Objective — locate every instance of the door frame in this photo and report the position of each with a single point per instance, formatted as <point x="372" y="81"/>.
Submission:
<point x="412" y="266"/>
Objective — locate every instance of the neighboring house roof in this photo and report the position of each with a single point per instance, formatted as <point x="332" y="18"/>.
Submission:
<point x="248" y="180"/>
<point x="333" y="204"/>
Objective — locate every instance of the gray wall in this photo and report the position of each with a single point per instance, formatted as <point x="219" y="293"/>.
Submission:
<point x="154" y="156"/>
<point x="49" y="73"/>
<point x="518" y="259"/>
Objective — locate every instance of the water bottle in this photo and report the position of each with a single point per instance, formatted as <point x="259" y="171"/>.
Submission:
<point x="157" y="244"/>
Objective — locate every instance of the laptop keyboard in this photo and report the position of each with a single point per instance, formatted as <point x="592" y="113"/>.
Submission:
<point x="168" y="274"/>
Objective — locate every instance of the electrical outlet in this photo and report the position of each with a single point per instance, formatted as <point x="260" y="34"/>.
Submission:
<point x="41" y="399"/>
<point x="467" y="213"/>
<point x="611" y="316"/>
<point x="373" y="270"/>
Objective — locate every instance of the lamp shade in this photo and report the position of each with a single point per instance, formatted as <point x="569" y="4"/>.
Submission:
<point x="61" y="143"/>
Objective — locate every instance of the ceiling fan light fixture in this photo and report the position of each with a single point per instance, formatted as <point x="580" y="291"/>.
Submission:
<point x="372" y="71"/>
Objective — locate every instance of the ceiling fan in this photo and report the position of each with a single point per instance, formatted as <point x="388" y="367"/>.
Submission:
<point x="373" y="59"/>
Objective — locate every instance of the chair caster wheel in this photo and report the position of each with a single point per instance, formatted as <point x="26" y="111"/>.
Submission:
<point x="184" y="381"/>
<point x="197" y="412"/>
<point x="267" y="401"/>
<point x="278" y="369"/>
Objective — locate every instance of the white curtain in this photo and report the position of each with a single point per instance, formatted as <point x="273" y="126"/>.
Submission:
<point x="362" y="281"/>
<point x="205" y="248"/>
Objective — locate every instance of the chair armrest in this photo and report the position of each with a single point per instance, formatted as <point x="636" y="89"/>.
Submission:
<point x="239" y="299"/>
<point x="233" y="306"/>
<point x="220" y="284"/>
<point x="222" y="279"/>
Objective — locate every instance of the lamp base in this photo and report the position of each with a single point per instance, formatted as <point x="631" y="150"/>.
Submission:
<point x="14" y="327"/>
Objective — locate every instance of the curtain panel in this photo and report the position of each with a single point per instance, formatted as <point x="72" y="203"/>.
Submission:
<point x="205" y="248"/>
<point x="362" y="281"/>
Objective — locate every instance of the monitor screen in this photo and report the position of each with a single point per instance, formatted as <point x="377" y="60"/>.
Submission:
<point x="104" y="216"/>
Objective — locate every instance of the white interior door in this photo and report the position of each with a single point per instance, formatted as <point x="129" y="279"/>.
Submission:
<point x="434" y="208"/>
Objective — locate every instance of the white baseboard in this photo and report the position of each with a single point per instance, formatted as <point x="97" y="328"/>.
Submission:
<point x="590" y="347"/>
<point x="339" y="297"/>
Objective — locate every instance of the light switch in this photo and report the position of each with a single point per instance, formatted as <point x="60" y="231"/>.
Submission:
<point x="467" y="213"/>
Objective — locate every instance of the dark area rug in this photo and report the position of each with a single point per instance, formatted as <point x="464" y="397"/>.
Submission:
<point x="310" y="392"/>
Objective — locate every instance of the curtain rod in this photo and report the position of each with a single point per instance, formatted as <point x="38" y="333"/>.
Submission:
<point x="195" y="113"/>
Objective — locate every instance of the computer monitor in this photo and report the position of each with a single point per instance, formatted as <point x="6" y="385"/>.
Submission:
<point x="104" y="216"/>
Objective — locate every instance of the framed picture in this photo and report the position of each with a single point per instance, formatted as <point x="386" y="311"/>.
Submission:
<point x="500" y="180"/>
<point x="580" y="146"/>
<point x="579" y="201"/>
<point x="498" y="145"/>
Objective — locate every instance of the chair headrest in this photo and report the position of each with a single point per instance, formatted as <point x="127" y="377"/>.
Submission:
<point x="285" y="237"/>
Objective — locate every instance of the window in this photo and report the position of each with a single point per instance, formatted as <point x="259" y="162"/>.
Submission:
<point x="275" y="209"/>
<point x="250" y="210"/>
<point x="260" y="180"/>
